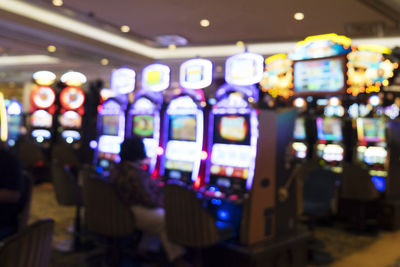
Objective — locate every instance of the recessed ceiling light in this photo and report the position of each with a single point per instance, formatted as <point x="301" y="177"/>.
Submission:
<point x="218" y="69"/>
<point x="240" y="43"/>
<point x="104" y="61"/>
<point x="57" y="2"/>
<point x="125" y="28"/>
<point x="204" y="23"/>
<point x="172" y="47"/>
<point x="298" y="16"/>
<point x="51" y="48"/>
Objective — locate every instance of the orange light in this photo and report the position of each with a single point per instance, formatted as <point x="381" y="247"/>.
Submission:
<point x="160" y="151"/>
<point x="197" y="183"/>
<point x="204" y="155"/>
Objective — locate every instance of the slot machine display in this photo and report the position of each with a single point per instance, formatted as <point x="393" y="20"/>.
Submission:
<point x="72" y="99"/>
<point x="111" y="120"/>
<point x="184" y="124"/>
<point x="42" y="108"/>
<point x="15" y="121"/>
<point x="3" y="120"/>
<point x="143" y="117"/>
<point x="299" y="148"/>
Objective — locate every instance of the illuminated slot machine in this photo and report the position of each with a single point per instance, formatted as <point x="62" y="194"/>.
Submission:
<point x="143" y="117"/>
<point x="111" y="120"/>
<point x="14" y="117"/>
<point x="299" y="146"/>
<point x="184" y="123"/>
<point x="42" y="108"/>
<point x="3" y="120"/>
<point x="372" y="148"/>
<point x="72" y="99"/>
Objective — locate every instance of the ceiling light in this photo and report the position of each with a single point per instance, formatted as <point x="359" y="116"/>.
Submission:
<point x="218" y="69"/>
<point x="298" y="16"/>
<point x="27" y="60"/>
<point x="57" y="2"/>
<point x="125" y="28"/>
<point x="172" y="47"/>
<point x="104" y="61"/>
<point x="51" y="48"/>
<point x="204" y="23"/>
<point x="240" y="43"/>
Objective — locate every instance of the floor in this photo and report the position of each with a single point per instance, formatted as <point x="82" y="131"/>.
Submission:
<point x="348" y="249"/>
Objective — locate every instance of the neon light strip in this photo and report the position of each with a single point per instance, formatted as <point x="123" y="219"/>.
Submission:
<point x="3" y="118"/>
<point x="253" y="144"/>
<point x="27" y="59"/>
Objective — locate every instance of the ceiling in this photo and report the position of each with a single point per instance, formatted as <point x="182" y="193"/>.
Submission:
<point x="268" y="26"/>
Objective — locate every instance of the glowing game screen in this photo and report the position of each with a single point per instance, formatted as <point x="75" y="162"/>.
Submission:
<point x="232" y="129"/>
<point x="14" y="123"/>
<point x="299" y="129"/>
<point x="143" y="125"/>
<point x="243" y="68"/>
<point x="41" y="118"/>
<point x="194" y="73"/>
<point x="329" y="129"/>
<point x="71" y="119"/>
<point x="319" y="76"/>
<point x="182" y="127"/>
<point x="371" y="130"/>
<point x="153" y="77"/>
<point x="110" y="124"/>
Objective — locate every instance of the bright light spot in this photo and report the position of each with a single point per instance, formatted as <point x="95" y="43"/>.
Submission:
<point x="11" y="142"/>
<point x="172" y="47"/>
<point x="104" y="61"/>
<point x="298" y="16"/>
<point x="218" y="69"/>
<point x="125" y="28"/>
<point x="51" y="48"/>
<point x="374" y="100"/>
<point x="204" y="155"/>
<point x="240" y="43"/>
<point x="204" y="23"/>
<point x="385" y="83"/>
<point x="57" y="2"/>
<point x="39" y="139"/>
<point x="69" y="140"/>
<point x="299" y="102"/>
<point x="93" y="144"/>
<point x="160" y="151"/>
<point x="251" y="99"/>
<point x="334" y="101"/>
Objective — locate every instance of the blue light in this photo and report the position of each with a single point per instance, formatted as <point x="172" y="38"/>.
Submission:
<point x="379" y="183"/>
<point x="212" y="101"/>
<point x="99" y="169"/>
<point x="93" y="144"/>
<point x="223" y="215"/>
<point x="216" y="201"/>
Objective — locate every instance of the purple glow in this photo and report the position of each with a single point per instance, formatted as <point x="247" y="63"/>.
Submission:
<point x="93" y="144"/>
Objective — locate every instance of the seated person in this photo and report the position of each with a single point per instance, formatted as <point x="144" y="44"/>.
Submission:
<point x="136" y="188"/>
<point x="11" y="192"/>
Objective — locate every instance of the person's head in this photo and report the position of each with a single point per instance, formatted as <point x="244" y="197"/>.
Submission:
<point x="132" y="149"/>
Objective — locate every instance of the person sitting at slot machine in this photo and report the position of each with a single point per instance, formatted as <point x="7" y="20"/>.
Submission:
<point x="137" y="189"/>
<point x="11" y="191"/>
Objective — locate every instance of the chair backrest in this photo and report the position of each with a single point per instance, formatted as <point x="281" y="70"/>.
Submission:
<point x="65" y="154"/>
<point x="23" y="215"/>
<point x="30" y="154"/>
<point x="357" y="183"/>
<point x="105" y="213"/>
<point x="187" y="222"/>
<point x="66" y="187"/>
<point x="30" y="247"/>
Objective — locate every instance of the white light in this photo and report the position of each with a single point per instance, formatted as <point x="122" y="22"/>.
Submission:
<point x="299" y="102"/>
<point x="374" y="100"/>
<point x="39" y="139"/>
<point x="334" y="101"/>
<point x="69" y="140"/>
<point x="155" y="77"/>
<point x="240" y="43"/>
<point x="104" y="61"/>
<point x="44" y="77"/>
<point x="73" y="78"/>
<point x="204" y="23"/>
<point x="298" y="16"/>
<point x="244" y="69"/>
<point x="51" y="48"/>
<point x="123" y="81"/>
<point x="125" y="28"/>
<point x="27" y="60"/>
<point x="14" y="108"/>
<point x="195" y="73"/>
<point x="172" y="47"/>
<point x="57" y="2"/>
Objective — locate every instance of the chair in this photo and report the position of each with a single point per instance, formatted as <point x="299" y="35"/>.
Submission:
<point x="65" y="154"/>
<point x="23" y="216"/>
<point x="107" y="216"/>
<point x="34" y="161"/>
<point x="68" y="193"/>
<point x="188" y="223"/>
<point x="30" y="247"/>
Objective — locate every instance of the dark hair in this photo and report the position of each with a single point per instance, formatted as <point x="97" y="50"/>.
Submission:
<point x="132" y="149"/>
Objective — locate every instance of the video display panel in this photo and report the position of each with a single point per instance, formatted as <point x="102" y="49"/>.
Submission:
<point x="110" y="125"/>
<point x="319" y="76"/>
<point x="329" y="129"/>
<point x="182" y="127"/>
<point x="143" y="125"/>
<point x="194" y="73"/>
<point x="232" y="129"/>
<point x="371" y="130"/>
<point x="41" y="118"/>
<point x="299" y="129"/>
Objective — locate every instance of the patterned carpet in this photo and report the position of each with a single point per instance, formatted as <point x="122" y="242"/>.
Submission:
<point x="347" y="248"/>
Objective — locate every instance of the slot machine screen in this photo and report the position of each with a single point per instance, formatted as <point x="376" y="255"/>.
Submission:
<point x="182" y="127"/>
<point x="243" y="68"/>
<point x="71" y="119"/>
<point x="41" y="118"/>
<point x="329" y="129"/>
<point x="232" y="129"/>
<point x="194" y="73"/>
<point x="371" y="130"/>
<point x="14" y="123"/>
<point x="143" y="125"/>
<point x="110" y="125"/>
<point x="299" y="129"/>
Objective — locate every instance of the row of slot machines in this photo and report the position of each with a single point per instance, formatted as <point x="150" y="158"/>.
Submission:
<point x="11" y="118"/>
<point x="224" y="152"/>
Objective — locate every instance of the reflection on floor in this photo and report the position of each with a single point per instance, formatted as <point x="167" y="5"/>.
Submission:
<point x="347" y="248"/>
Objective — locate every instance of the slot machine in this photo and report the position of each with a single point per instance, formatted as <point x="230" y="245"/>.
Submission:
<point x="72" y="99"/>
<point x="111" y="120"/>
<point x="3" y="120"/>
<point x="143" y="116"/>
<point x="42" y="108"/>
<point x="184" y="124"/>
<point x="15" y="121"/>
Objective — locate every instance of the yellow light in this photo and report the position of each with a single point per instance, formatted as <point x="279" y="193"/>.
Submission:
<point x="104" y="61"/>
<point x="218" y="69"/>
<point x="375" y="48"/>
<point x="204" y="23"/>
<point x="385" y="83"/>
<point x="298" y="16"/>
<point x="57" y="2"/>
<point x="340" y="39"/>
<point x="3" y="120"/>
<point x="240" y="43"/>
<point x="44" y="77"/>
<point x="275" y="57"/>
<point x="125" y="28"/>
<point x="172" y="47"/>
<point x="51" y="48"/>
